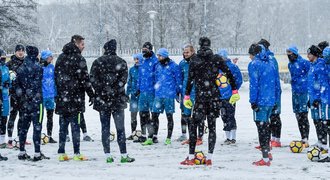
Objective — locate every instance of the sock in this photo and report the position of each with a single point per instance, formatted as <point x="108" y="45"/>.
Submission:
<point x="305" y="140"/>
<point x="191" y="156"/>
<point x="124" y="155"/>
<point x="37" y="154"/>
<point x="85" y="134"/>
<point x="233" y="134"/>
<point x="143" y="135"/>
<point x="10" y="138"/>
<point x="184" y="134"/>
<point x="266" y="159"/>
<point x="21" y="153"/>
<point x="273" y="138"/>
<point x="209" y="156"/>
<point x="277" y="139"/>
<point x="154" y="136"/>
<point x="2" y="139"/>
<point x="108" y="155"/>
<point x="228" y="134"/>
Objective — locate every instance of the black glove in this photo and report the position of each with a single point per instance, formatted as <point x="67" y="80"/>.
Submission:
<point x="254" y="107"/>
<point x="308" y="104"/>
<point x="91" y="101"/>
<point x="316" y="103"/>
<point x="137" y="93"/>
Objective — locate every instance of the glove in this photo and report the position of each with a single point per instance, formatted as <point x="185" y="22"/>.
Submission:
<point x="137" y="93"/>
<point x="187" y="102"/>
<point x="308" y="104"/>
<point x="91" y="101"/>
<point x="254" y="107"/>
<point x="178" y="97"/>
<point x="12" y="75"/>
<point x="234" y="98"/>
<point x="316" y="103"/>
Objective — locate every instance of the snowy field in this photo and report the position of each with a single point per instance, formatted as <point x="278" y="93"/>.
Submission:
<point x="162" y="162"/>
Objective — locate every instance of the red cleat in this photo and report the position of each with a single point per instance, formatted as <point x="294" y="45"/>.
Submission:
<point x="261" y="163"/>
<point x="185" y="142"/>
<point x="27" y="143"/>
<point x="275" y="144"/>
<point x="199" y="141"/>
<point x="208" y="162"/>
<point x="188" y="162"/>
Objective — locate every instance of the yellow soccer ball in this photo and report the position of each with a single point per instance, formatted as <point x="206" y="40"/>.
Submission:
<point x="296" y="146"/>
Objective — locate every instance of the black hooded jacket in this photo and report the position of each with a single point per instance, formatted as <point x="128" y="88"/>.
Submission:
<point x="72" y="81"/>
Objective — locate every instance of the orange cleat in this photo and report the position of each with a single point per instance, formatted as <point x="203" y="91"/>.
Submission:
<point x="208" y="162"/>
<point x="261" y="163"/>
<point x="185" y="142"/>
<point x="275" y="144"/>
<point x="199" y="141"/>
<point x="270" y="156"/>
<point x="188" y="162"/>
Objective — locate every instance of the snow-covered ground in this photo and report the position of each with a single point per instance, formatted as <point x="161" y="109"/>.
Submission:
<point x="162" y="162"/>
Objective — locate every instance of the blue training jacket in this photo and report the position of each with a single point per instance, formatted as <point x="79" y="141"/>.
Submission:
<point x="5" y="83"/>
<point x="48" y="81"/>
<point x="316" y="75"/>
<point x="184" y="68"/>
<point x="146" y="80"/>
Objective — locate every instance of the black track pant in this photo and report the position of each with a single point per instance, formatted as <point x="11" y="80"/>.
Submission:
<point x="82" y="125"/>
<point x="321" y="131"/>
<point x="303" y="124"/>
<point x="145" y="121"/>
<point x="3" y="123"/>
<point x="133" y="121"/>
<point x="184" y="123"/>
<point x="264" y="137"/>
<point x="155" y="125"/>
<point x="200" y="126"/>
<point x="275" y="125"/>
<point x="50" y="122"/>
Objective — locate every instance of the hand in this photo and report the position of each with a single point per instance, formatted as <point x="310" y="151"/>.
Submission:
<point x="137" y="93"/>
<point x="91" y="101"/>
<point x="234" y="98"/>
<point x="254" y="107"/>
<point x="316" y="103"/>
<point x="187" y="102"/>
<point x="178" y="97"/>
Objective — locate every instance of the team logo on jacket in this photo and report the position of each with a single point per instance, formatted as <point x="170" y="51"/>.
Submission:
<point x="221" y="81"/>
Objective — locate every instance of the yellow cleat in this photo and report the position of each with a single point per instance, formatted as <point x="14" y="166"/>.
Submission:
<point x="63" y="157"/>
<point x="79" y="157"/>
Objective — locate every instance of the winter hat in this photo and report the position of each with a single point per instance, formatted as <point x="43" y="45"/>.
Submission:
<point x="147" y="45"/>
<point x="223" y="53"/>
<point x="254" y="49"/>
<point x="314" y="50"/>
<point x="163" y="52"/>
<point x="323" y="45"/>
<point x="326" y="52"/>
<point x="19" y="47"/>
<point x="32" y="51"/>
<point x="204" y="42"/>
<point x="46" y="54"/>
<point x="138" y="56"/>
<point x="110" y="45"/>
<point x="293" y="49"/>
<point x="264" y="42"/>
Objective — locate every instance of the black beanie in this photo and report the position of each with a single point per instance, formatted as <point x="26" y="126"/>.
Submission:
<point x="204" y="42"/>
<point x="32" y="51"/>
<point x="19" y="47"/>
<point x="264" y="42"/>
<point x="314" y="50"/>
<point x="147" y="45"/>
<point x="322" y="45"/>
<point x="110" y="46"/>
<point x="2" y="53"/>
<point x="254" y="49"/>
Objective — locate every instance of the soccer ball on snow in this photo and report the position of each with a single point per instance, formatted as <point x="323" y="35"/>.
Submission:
<point x="314" y="154"/>
<point x="136" y="134"/>
<point x="199" y="158"/>
<point x="221" y="81"/>
<point x="296" y="146"/>
<point x="44" y="139"/>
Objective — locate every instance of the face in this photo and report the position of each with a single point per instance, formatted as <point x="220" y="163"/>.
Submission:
<point x="288" y="53"/>
<point x="187" y="53"/>
<point x="81" y="45"/>
<point x="50" y="59"/>
<point x="145" y="50"/>
<point x="160" y="58"/>
<point x="136" y="61"/>
<point x="311" y="57"/>
<point x="251" y="56"/>
<point x="20" y="54"/>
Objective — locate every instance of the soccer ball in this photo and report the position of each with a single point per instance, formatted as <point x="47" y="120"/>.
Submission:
<point x="199" y="158"/>
<point x="296" y="146"/>
<point x="136" y="134"/>
<point x="314" y="154"/>
<point x="221" y="81"/>
<point x="16" y="143"/>
<point x="44" y="139"/>
<point x="112" y="136"/>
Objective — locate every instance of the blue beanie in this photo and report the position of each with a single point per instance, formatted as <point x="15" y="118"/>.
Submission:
<point x="46" y="54"/>
<point x="138" y="56"/>
<point x="326" y="52"/>
<point x="293" y="49"/>
<point x="223" y="53"/>
<point x="163" y="52"/>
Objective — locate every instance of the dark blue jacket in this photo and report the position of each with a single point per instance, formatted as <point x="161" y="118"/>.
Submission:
<point x="29" y="84"/>
<point x="146" y="74"/>
<point x="262" y="74"/>
<point x="226" y="92"/>
<point x="168" y="80"/>
<point x="316" y="75"/>
<point x="133" y="77"/>
<point x="48" y="81"/>
<point x="184" y="69"/>
<point x="299" y="72"/>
